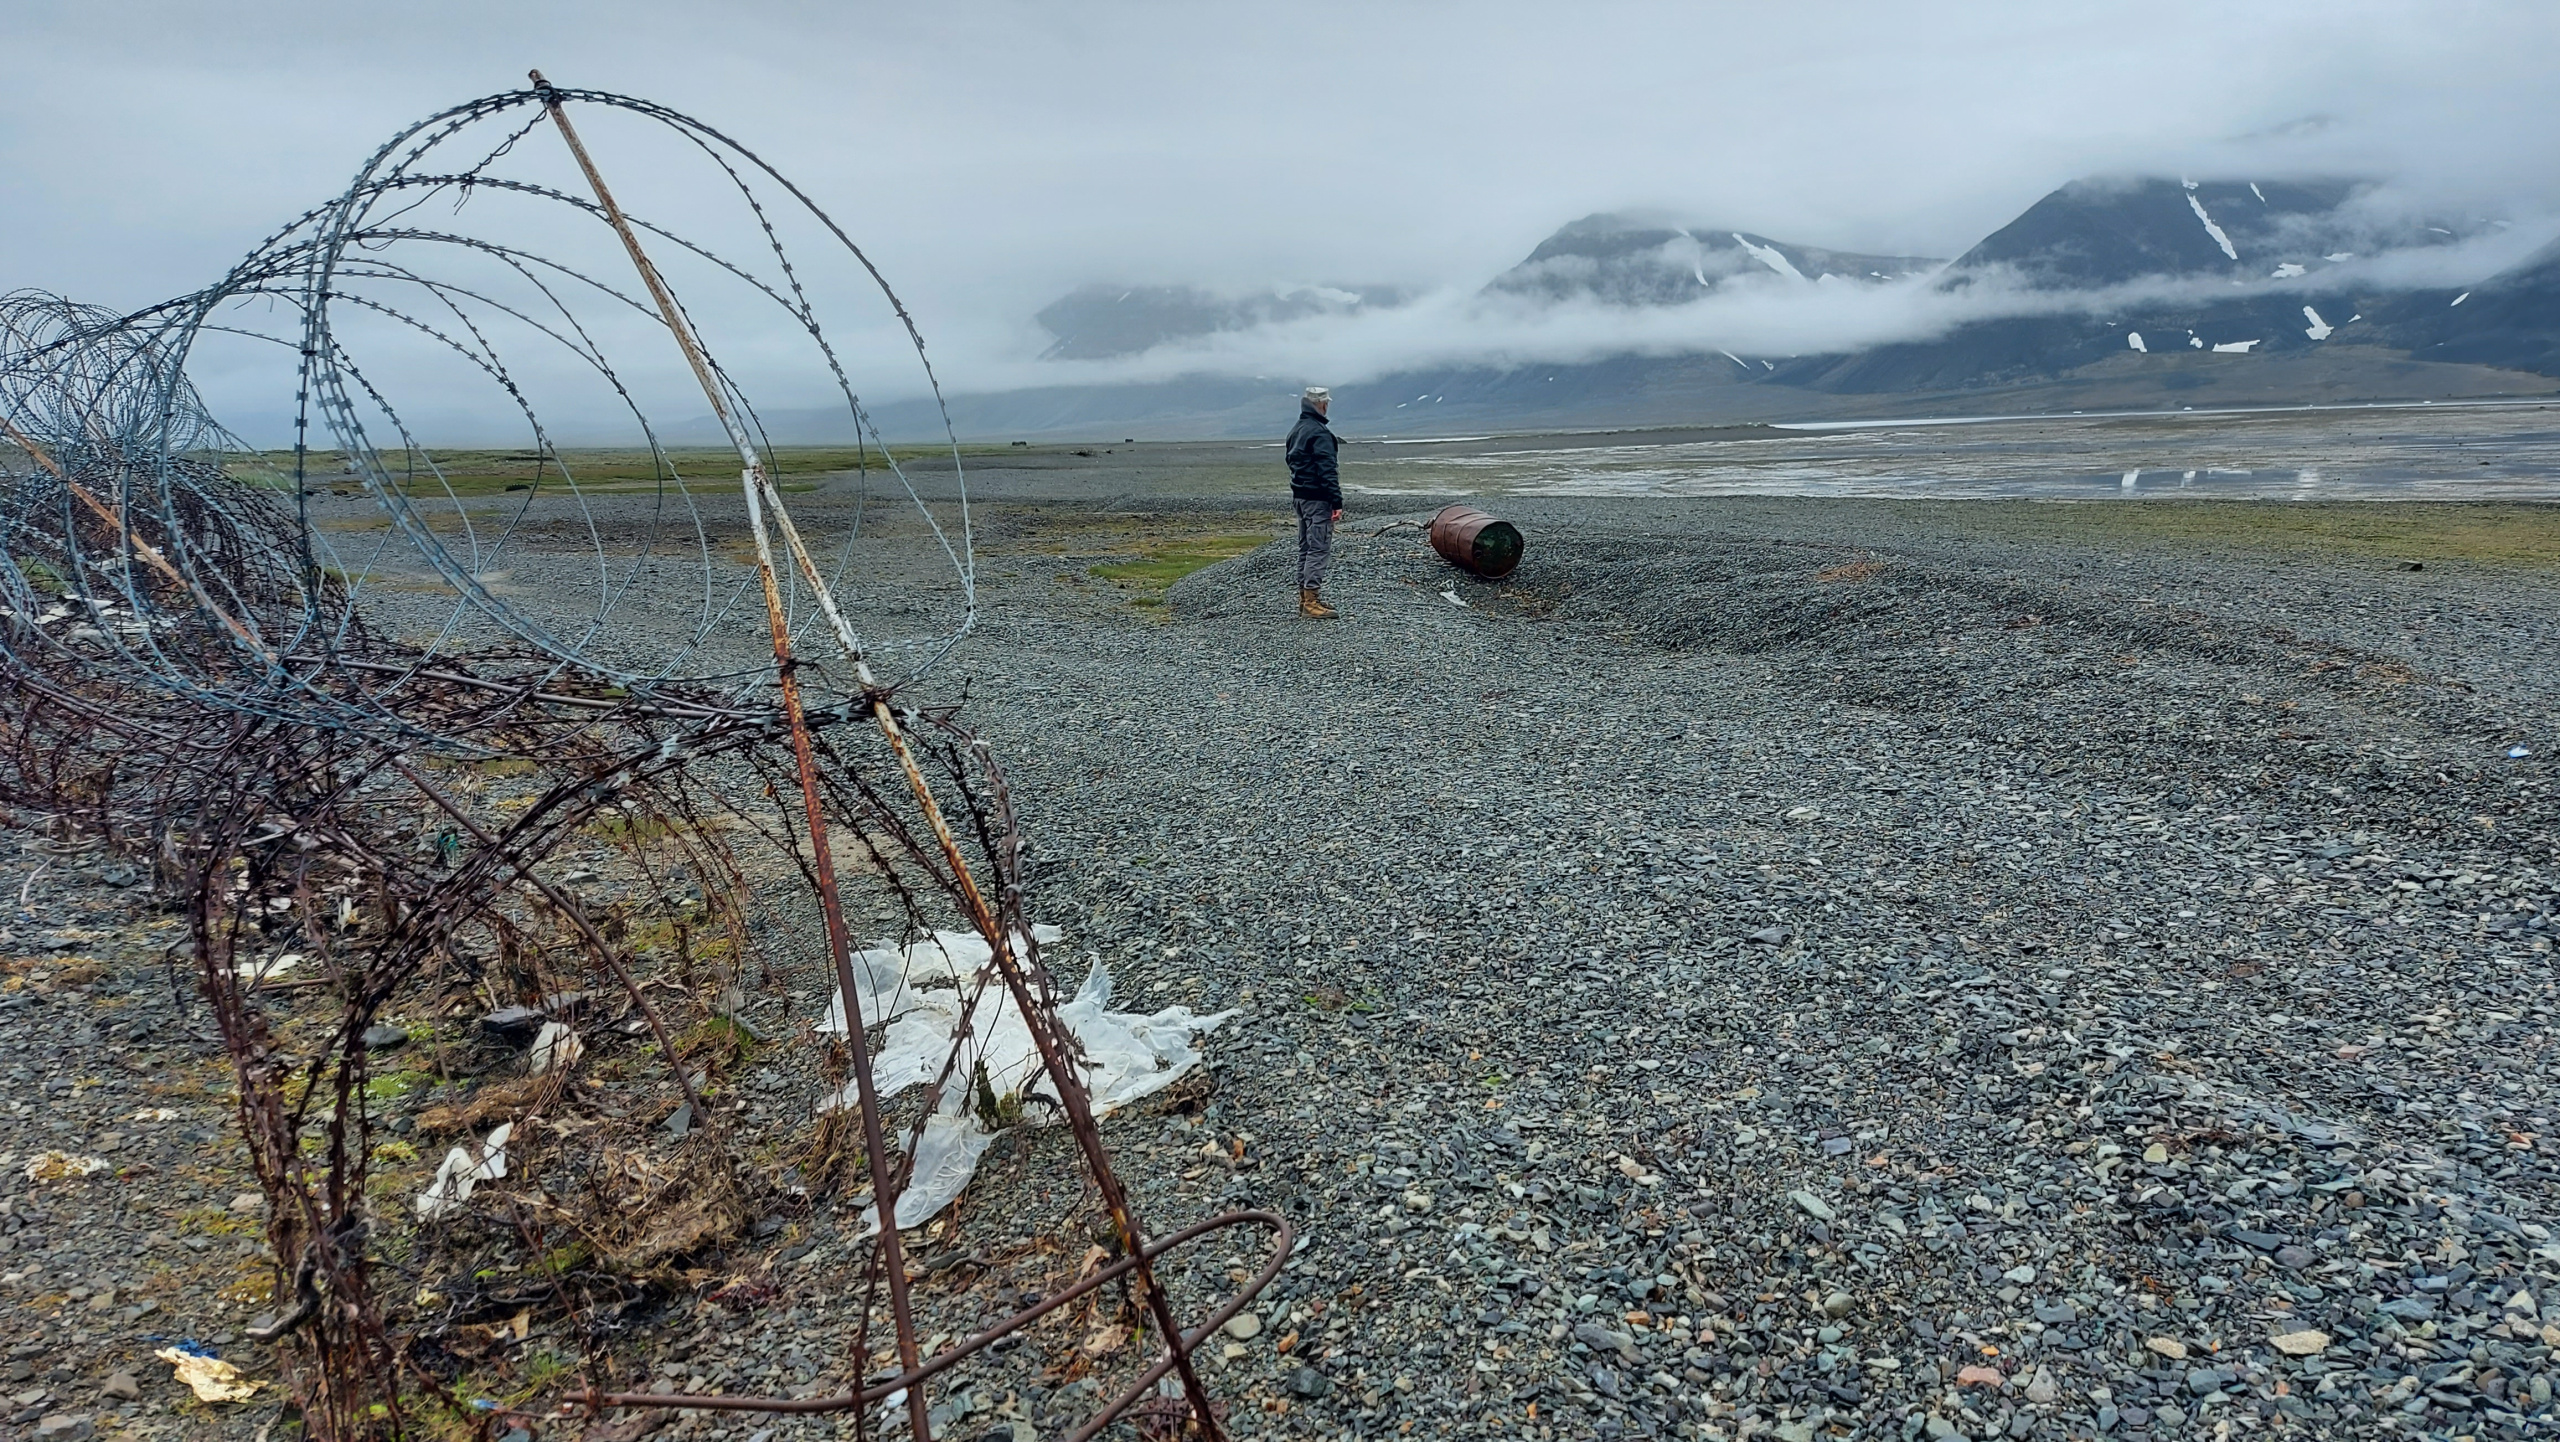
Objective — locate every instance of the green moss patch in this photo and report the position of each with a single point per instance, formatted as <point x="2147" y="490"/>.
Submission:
<point x="1159" y="564"/>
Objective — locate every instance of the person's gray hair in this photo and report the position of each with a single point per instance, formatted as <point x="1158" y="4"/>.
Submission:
<point x="1319" y="394"/>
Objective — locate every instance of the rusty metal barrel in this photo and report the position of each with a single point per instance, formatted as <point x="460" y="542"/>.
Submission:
<point x="1475" y="542"/>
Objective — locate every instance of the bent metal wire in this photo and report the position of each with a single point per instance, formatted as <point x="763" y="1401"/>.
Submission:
<point x="158" y="572"/>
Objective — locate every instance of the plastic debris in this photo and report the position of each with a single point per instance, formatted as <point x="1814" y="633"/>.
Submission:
<point x="1452" y="598"/>
<point x="887" y="974"/>
<point x="947" y="1154"/>
<point x="1127" y="1055"/>
<point x="2517" y="753"/>
<point x="556" y="1045"/>
<point x="59" y="1166"/>
<point x="462" y="1171"/>
<point x="210" y="1378"/>
<point x="254" y="972"/>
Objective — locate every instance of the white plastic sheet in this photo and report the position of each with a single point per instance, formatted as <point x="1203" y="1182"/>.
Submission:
<point x="462" y="1171"/>
<point x="946" y="1158"/>
<point x="917" y="992"/>
<point x="554" y="1046"/>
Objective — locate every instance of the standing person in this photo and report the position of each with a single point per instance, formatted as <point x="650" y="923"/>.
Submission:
<point x="1315" y="485"/>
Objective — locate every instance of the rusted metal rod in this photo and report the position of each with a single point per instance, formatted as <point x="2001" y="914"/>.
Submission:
<point x="786" y="667"/>
<point x="764" y="502"/>
<point x="1284" y="1240"/>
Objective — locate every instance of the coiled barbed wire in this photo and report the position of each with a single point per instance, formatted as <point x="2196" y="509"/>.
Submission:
<point x="206" y="656"/>
<point x="248" y="596"/>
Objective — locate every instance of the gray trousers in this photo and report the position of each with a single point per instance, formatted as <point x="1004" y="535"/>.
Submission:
<point x="1315" y="540"/>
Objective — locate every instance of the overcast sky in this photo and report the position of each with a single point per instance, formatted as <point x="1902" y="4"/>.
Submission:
<point x="992" y="156"/>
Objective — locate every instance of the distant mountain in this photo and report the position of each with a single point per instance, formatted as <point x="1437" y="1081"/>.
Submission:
<point x="2510" y="320"/>
<point x="2234" y="267"/>
<point x="2106" y="293"/>
<point x="2094" y="233"/>
<point x="1642" y="260"/>
<point x="1097" y="322"/>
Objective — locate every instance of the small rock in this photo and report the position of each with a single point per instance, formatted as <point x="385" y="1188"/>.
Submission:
<point x="2155" y="1154"/>
<point x="2042" y="1388"/>
<point x="2293" y="1258"/>
<point x="1769" y="935"/>
<point x="1939" y="1429"/>
<point x="1838" y="1305"/>
<point x="65" y="1427"/>
<point x="1309" y="1383"/>
<point x="2305" y="1343"/>
<point x="514" y="1023"/>
<point x="1243" y="1326"/>
<point x="1978" y="1375"/>
<point x="2169" y="1347"/>
<point x="1417" y="1202"/>
<point x="680" y="1121"/>
<point x="1812" y="1206"/>
<point x="1601" y="1339"/>
<point x="385" y="1037"/>
<point x="248" y="1202"/>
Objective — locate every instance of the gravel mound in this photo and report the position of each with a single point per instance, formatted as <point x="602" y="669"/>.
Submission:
<point x="1874" y="980"/>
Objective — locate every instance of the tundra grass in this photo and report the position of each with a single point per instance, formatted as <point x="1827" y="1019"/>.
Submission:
<point x="2514" y="533"/>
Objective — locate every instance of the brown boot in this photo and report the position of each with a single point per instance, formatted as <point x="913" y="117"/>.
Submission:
<point x="1312" y="606"/>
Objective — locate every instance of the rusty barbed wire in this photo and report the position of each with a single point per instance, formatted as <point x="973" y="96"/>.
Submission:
<point x="307" y="683"/>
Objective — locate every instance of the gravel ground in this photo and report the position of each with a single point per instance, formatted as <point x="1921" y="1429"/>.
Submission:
<point x="1769" y="969"/>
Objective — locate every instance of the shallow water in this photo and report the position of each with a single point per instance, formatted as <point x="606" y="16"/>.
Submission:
<point x="2402" y="453"/>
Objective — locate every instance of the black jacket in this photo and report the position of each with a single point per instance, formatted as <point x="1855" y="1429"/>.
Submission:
<point x="1312" y="472"/>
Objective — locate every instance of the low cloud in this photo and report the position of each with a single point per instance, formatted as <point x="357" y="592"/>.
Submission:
<point x="994" y="157"/>
<point x="1770" y="320"/>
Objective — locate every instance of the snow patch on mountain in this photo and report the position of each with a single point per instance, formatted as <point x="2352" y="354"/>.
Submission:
<point x="1637" y="259"/>
<point x="2211" y="229"/>
<point x="1770" y="256"/>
